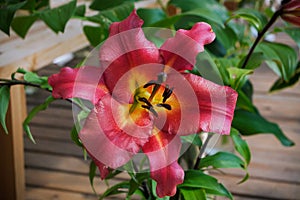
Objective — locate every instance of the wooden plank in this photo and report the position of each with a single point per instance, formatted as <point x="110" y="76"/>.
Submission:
<point x="36" y="193"/>
<point x="12" y="184"/>
<point x="260" y="188"/>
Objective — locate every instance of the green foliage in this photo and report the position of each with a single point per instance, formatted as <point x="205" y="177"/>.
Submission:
<point x="222" y="160"/>
<point x="22" y="24"/>
<point x="258" y="125"/>
<point x="107" y="4"/>
<point x="33" y="113"/>
<point x="4" y="102"/>
<point x="193" y="194"/>
<point x="57" y="18"/>
<point x="95" y="34"/>
<point x="195" y="179"/>
<point x="241" y="146"/>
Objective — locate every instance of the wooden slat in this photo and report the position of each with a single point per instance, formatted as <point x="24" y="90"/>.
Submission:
<point x="12" y="184"/>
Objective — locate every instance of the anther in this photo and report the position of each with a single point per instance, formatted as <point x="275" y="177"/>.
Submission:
<point x="164" y="105"/>
<point x="152" y="82"/>
<point x="143" y="99"/>
<point x="151" y="109"/>
<point x="167" y="93"/>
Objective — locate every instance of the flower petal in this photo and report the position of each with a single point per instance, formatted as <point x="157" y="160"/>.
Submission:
<point x="163" y="150"/>
<point x="111" y="135"/>
<point x="200" y="105"/>
<point x="84" y="82"/>
<point x="126" y="48"/>
<point x="180" y="51"/>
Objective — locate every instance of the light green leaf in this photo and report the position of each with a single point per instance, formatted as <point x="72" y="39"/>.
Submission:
<point x="58" y="17"/>
<point x="32" y="113"/>
<point x="32" y="77"/>
<point x="116" y="189"/>
<point x="238" y="77"/>
<point x="4" y="102"/>
<point x="193" y="194"/>
<point x="254" y="17"/>
<point x="75" y="137"/>
<point x="294" y="33"/>
<point x="240" y="145"/>
<point x="196" y="179"/>
<point x="222" y="160"/>
<point x="282" y="59"/>
<point x="22" y="24"/>
<point x="249" y="123"/>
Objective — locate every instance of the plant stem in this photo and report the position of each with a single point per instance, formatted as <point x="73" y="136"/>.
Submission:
<point x="202" y="150"/>
<point x="260" y="35"/>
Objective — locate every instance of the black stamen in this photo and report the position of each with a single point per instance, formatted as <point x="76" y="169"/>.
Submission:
<point x="164" y="105"/>
<point x="152" y="82"/>
<point x="167" y="93"/>
<point x="143" y="99"/>
<point x="151" y="109"/>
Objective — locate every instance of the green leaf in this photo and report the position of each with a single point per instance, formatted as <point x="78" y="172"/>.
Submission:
<point x="282" y="59"/>
<point x="95" y="34"/>
<point x="57" y="18"/>
<point x="281" y="84"/>
<point x="249" y="123"/>
<point x="75" y="137"/>
<point x="7" y="13"/>
<point x="294" y="33"/>
<point x="238" y="77"/>
<point x="193" y="194"/>
<point x="92" y="174"/>
<point x="32" y="113"/>
<point x="222" y="160"/>
<point x="254" y="17"/>
<point x="116" y="189"/>
<point x="4" y="102"/>
<point x="21" y="25"/>
<point x="151" y="16"/>
<point x="36" y="79"/>
<point x="240" y="145"/>
<point x="254" y="62"/>
<point x="192" y="139"/>
<point x="106" y="4"/>
<point x="136" y="182"/>
<point x="196" y="179"/>
<point x="80" y="11"/>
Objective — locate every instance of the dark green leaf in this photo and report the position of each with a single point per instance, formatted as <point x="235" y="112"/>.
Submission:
<point x="282" y="59"/>
<point x="249" y="123"/>
<point x="196" y="179"/>
<point x="57" y="18"/>
<point x="80" y="11"/>
<point x="7" y="14"/>
<point x="116" y="189"/>
<point x="92" y="174"/>
<point x="106" y="4"/>
<point x="4" y="102"/>
<point x="95" y="35"/>
<point x="281" y="84"/>
<point x="241" y="145"/>
<point x="222" y="160"/>
<point x="136" y="182"/>
<point x="193" y="194"/>
<point x="21" y="25"/>
<point x="32" y="113"/>
<point x="254" y="17"/>
<point x="151" y="16"/>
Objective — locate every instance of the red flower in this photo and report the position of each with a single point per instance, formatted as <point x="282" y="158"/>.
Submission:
<point x="144" y="101"/>
<point x="291" y="11"/>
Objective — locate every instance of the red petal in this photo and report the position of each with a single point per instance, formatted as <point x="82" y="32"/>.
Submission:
<point x="111" y="135"/>
<point x="104" y="170"/>
<point x="180" y="51"/>
<point x="125" y="49"/>
<point x="200" y="105"/>
<point x="84" y="82"/>
<point x="163" y="151"/>
<point x="291" y="5"/>
<point x="292" y="19"/>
